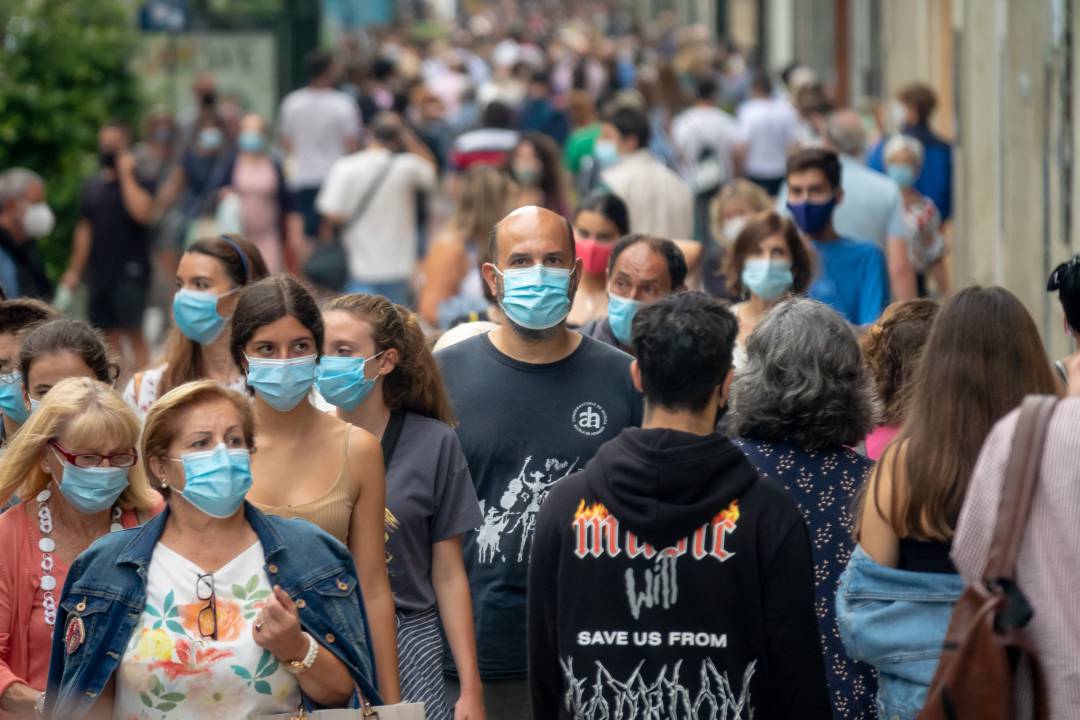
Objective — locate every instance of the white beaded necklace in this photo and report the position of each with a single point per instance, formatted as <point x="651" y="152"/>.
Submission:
<point x="47" y="546"/>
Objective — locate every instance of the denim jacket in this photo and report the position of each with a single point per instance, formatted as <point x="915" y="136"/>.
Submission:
<point x="896" y="621"/>
<point x="106" y="588"/>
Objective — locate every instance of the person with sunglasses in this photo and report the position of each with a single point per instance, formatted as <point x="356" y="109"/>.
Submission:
<point x="212" y="609"/>
<point x="73" y="463"/>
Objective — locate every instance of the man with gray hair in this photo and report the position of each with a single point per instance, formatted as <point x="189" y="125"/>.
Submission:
<point x="872" y="208"/>
<point x="24" y="218"/>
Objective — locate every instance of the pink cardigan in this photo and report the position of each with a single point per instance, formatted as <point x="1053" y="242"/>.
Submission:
<point x="25" y="639"/>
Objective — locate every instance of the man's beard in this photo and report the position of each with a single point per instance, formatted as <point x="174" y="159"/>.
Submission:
<point x="533" y="336"/>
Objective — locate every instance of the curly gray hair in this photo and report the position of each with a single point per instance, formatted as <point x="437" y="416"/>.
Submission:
<point x="804" y="381"/>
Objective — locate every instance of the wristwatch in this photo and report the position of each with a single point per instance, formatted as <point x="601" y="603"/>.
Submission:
<point x="298" y="666"/>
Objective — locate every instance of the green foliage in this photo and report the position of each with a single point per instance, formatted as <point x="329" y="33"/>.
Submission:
<point x="63" y="74"/>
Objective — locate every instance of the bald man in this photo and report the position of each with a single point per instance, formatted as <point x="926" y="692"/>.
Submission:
<point x="534" y="401"/>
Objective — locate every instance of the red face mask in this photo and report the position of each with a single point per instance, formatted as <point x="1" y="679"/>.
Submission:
<point x="594" y="255"/>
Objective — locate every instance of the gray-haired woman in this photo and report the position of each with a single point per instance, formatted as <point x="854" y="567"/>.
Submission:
<point x="800" y="403"/>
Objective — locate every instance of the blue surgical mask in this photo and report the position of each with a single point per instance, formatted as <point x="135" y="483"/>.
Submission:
<point x="282" y="383"/>
<point x="342" y="382"/>
<point x="12" y="403"/>
<point x="196" y="314"/>
<point x="768" y="279"/>
<point x="251" y="142"/>
<point x="216" y="481"/>
<point x="537" y="297"/>
<point x="210" y="138"/>
<point x="606" y="153"/>
<point x="620" y="315"/>
<point x="34" y="405"/>
<point x="904" y="175"/>
<point x="94" y="489"/>
<point x="811" y="217"/>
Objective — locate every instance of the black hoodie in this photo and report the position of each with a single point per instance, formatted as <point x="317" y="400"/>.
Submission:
<point x="667" y="579"/>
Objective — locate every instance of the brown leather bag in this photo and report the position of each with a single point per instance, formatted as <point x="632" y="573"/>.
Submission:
<point x="985" y="643"/>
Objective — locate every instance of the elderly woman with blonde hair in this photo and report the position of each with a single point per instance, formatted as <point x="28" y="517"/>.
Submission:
<point x="74" y="463"/>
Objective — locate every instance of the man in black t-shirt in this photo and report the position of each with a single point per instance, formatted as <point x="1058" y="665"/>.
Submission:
<point x="534" y="401"/>
<point x="112" y="245"/>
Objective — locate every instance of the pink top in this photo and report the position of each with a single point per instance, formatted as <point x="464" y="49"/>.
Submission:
<point x="25" y="639"/>
<point x="877" y="441"/>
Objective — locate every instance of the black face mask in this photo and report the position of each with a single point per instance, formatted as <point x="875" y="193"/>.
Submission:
<point x="208" y="99"/>
<point x="107" y="159"/>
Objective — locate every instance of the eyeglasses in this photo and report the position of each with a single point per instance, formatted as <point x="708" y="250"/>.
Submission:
<point x="204" y="591"/>
<point x="93" y="460"/>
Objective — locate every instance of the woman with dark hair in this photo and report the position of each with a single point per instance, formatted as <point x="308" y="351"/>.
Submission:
<point x="378" y="372"/>
<point x="310" y="464"/>
<point x="768" y="261"/>
<point x="600" y="220"/>
<point x="983" y="356"/>
<point x="61" y="349"/>
<point x="892" y="347"/>
<point x="536" y="166"/>
<point x="802" y="400"/>
<point x="211" y="273"/>
<point x="1065" y="280"/>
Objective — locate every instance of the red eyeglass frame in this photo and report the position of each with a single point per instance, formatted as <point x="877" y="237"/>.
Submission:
<point x="71" y="457"/>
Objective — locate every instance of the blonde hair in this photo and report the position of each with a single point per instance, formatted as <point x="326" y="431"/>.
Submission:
<point x="163" y="420"/>
<point x="87" y="411"/>
<point x="742" y="191"/>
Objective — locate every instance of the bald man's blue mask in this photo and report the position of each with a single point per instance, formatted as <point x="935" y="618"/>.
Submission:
<point x="536" y="297"/>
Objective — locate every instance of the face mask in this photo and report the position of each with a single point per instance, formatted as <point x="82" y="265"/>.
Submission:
<point x="282" y="383"/>
<point x="12" y="404"/>
<point x="34" y="405"/>
<point x="594" y="255"/>
<point x="620" y="315"/>
<point x="768" y="279"/>
<point x="107" y="158"/>
<point x="342" y="382"/>
<point x="208" y="99"/>
<point x="733" y="227"/>
<point x="210" y="138"/>
<point x="162" y="135"/>
<point x="537" y="297"/>
<point x="904" y="175"/>
<point x="606" y="153"/>
<point x="897" y="114"/>
<point x="251" y="142"/>
<point x="527" y="175"/>
<point x="92" y="490"/>
<point x="216" y="481"/>
<point x="38" y="220"/>
<point x="196" y="314"/>
<point x="812" y="217"/>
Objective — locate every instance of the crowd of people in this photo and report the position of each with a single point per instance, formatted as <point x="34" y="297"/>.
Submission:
<point x="607" y="376"/>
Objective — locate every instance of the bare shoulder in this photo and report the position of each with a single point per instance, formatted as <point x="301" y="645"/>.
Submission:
<point x="364" y="449"/>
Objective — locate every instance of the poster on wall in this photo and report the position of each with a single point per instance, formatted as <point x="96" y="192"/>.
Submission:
<point x="244" y="65"/>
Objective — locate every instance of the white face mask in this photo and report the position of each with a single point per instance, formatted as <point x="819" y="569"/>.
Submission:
<point x="733" y="227"/>
<point x="897" y="115"/>
<point x="38" y="220"/>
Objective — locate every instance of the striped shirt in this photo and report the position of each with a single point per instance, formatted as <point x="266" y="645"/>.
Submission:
<point x="1048" y="571"/>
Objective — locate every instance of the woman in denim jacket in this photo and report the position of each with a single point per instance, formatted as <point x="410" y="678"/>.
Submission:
<point x="983" y="356"/>
<point x="213" y="609"/>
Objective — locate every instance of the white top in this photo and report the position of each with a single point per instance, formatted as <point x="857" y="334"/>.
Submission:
<point x="770" y="126"/>
<point x="659" y="201"/>
<point x="382" y="244"/>
<point x="151" y="381"/>
<point x="706" y="127"/>
<point x="170" y="671"/>
<point x="317" y="122"/>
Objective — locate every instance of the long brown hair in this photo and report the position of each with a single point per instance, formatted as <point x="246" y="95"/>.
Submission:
<point x="892" y="347"/>
<point x="983" y="356"/>
<point x="415" y="384"/>
<point x="244" y="264"/>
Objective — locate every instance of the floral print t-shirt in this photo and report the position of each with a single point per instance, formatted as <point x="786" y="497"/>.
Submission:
<point x="170" y="671"/>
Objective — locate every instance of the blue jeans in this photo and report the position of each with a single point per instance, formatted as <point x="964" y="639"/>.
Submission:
<point x="396" y="291"/>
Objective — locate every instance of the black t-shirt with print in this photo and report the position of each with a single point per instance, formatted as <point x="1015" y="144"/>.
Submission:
<point x="524" y="427"/>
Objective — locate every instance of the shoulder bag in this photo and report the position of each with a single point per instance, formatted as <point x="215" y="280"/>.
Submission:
<point x="402" y="711"/>
<point x="328" y="265"/>
<point x="985" y="642"/>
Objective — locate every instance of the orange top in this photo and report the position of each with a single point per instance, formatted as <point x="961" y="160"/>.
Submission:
<point x="25" y="639"/>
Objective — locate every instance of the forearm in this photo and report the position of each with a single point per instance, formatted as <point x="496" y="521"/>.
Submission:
<point x="383" y="624"/>
<point x="901" y="272"/>
<point x="455" y="612"/>
<point x="327" y="682"/>
<point x="80" y="249"/>
<point x="138" y="202"/>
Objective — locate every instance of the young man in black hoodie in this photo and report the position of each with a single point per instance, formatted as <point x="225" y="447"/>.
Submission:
<point x="667" y="580"/>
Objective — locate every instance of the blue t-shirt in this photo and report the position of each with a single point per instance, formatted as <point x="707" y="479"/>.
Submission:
<point x="852" y="279"/>
<point x="525" y="427"/>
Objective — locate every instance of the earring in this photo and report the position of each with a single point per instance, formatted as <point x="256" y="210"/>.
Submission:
<point x="164" y="483"/>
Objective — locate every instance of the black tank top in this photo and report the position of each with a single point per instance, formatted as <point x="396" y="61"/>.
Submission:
<point x="930" y="556"/>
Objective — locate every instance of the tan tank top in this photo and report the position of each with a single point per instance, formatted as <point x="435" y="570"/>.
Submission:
<point x="333" y="511"/>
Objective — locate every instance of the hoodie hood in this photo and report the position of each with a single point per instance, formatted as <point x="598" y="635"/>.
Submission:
<point x="663" y="484"/>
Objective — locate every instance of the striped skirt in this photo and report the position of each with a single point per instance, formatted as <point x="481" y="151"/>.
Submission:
<point x="420" y="662"/>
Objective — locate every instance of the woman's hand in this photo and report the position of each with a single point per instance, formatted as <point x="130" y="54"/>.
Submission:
<point x="277" y="628"/>
<point x="18" y="700"/>
<point x="470" y="706"/>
